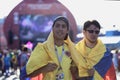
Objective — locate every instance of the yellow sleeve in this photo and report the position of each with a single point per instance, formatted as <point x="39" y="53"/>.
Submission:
<point x="38" y="58"/>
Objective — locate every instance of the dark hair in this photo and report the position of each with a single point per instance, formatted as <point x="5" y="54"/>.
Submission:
<point x="87" y="24"/>
<point x="25" y="49"/>
<point x="59" y="18"/>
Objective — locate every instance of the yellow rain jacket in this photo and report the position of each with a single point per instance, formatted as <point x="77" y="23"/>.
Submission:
<point x="90" y="59"/>
<point x="45" y="52"/>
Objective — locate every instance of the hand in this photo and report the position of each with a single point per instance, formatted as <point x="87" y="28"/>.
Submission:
<point x="47" y="68"/>
<point x="91" y="71"/>
<point x="74" y="71"/>
<point x="50" y="67"/>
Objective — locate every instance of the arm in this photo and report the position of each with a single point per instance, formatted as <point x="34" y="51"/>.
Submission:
<point x="45" y="69"/>
<point x="74" y="70"/>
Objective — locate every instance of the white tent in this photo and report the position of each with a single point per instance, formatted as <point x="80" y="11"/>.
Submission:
<point x="110" y="39"/>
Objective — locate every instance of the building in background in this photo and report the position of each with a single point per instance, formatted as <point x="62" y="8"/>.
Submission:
<point x="3" y="42"/>
<point x="31" y="20"/>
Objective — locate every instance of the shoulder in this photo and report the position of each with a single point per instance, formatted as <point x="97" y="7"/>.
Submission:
<point x="80" y="42"/>
<point x="39" y="45"/>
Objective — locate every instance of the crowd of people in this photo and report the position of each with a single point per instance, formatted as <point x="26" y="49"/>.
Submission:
<point x="58" y="58"/>
<point x="13" y="60"/>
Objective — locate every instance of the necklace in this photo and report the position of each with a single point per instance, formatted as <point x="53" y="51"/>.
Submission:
<point x="59" y="56"/>
<point x="59" y="76"/>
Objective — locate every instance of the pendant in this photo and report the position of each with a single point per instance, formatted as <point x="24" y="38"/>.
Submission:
<point x="60" y="76"/>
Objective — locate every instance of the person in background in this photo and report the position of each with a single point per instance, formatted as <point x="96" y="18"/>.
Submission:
<point x="115" y="58"/>
<point x="118" y="55"/>
<point x="97" y="58"/>
<point x="7" y="63"/>
<point x="1" y="63"/>
<point x="23" y="61"/>
<point x="14" y="60"/>
<point x="55" y="56"/>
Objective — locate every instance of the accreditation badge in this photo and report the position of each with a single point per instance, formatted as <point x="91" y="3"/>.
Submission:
<point x="60" y="76"/>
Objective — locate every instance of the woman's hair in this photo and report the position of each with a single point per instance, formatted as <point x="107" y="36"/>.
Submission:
<point x="87" y="24"/>
<point x="61" y="18"/>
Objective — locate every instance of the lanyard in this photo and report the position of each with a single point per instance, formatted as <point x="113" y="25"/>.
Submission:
<point x="59" y="76"/>
<point x="61" y="56"/>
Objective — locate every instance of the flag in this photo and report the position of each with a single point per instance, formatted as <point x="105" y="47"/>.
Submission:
<point x="105" y="67"/>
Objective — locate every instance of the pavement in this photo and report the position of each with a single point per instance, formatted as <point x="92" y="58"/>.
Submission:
<point x="13" y="76"/>
<point x="16" y="77"/>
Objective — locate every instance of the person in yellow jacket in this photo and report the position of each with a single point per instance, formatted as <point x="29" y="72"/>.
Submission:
<point x="53" y="58"/>
<point x="97" y="58"/>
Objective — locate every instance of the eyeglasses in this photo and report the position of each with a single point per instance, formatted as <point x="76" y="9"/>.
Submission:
<point x="92" y="31"/>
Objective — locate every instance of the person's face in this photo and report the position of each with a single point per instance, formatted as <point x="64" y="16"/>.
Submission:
<point x="91" y="33"/>
<point x="60" y="30"/>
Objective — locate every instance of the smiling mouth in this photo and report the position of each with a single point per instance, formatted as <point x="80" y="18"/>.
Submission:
<point x="60" y="33"/>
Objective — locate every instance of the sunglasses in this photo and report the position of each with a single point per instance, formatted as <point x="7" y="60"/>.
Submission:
<point x="92" y="31"/>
